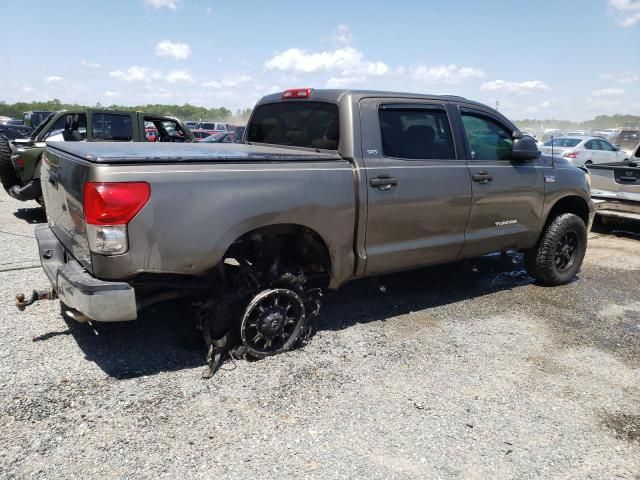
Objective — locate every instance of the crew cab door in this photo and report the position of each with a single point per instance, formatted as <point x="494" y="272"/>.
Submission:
<point x="418" y="189"/>
<point x="508" y="195"/>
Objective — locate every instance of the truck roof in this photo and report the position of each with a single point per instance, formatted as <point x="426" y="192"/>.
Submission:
<point x="336" y="94"/>
<point x="141" y="152"/>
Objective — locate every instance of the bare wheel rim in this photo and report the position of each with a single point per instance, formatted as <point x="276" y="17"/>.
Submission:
<point x="566" y="251"/>
<point x="272" y="322"/>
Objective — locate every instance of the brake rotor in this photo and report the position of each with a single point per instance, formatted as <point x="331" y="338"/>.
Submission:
<point x="272" y="322"/>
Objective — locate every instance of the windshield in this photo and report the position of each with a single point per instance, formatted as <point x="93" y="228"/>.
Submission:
<point x="563" y="142"/>
<point x="299" y="124"/>
<point x="216" y="137"/>
<point x="40" y="127"/>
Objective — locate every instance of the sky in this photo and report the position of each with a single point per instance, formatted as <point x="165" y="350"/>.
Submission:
<point x="563" y="59"/>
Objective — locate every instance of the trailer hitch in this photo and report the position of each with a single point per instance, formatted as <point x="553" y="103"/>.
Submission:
<point x="22" y="302"/>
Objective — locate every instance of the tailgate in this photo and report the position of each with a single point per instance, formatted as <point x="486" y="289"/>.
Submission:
<point x="620" y="180"/>
<point x="62" y="179"/>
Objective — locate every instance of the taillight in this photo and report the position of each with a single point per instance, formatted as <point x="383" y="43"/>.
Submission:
<point x="570" y="155"/>
<point x="296" y="93"/>
<point x="19" y="162"/>
<point x="108" y="208"/>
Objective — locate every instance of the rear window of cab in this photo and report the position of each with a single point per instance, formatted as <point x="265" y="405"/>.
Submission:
<point x="297" y="124"/>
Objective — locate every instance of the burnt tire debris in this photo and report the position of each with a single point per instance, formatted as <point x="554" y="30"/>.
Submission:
<point x="258" y="313"/>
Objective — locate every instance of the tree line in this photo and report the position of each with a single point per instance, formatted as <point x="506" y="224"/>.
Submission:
<point x="598" y="123"/>
<point x="183" y="112"/>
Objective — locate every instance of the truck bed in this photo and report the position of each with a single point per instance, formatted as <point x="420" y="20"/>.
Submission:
<point x="137" y="152"/>
<point x="203" y="198"/>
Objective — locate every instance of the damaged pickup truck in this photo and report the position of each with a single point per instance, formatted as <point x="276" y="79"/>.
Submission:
<point x="329" y="186"/>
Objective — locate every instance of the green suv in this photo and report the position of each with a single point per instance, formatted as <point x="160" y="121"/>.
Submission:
<point x="20" y="158"/>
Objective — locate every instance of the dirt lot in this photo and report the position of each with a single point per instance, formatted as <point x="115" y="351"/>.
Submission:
<point x="467" y="370"/>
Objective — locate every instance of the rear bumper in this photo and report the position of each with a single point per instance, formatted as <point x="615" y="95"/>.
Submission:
<point x="617" y="208"/>
<point x="99" y="300"/>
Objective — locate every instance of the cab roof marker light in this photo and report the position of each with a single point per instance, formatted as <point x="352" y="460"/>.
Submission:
<point x="297" y="93"/>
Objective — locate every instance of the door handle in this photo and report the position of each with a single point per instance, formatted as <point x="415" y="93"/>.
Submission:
<point x="482" y="177"/>
<point x="383" y="183"/>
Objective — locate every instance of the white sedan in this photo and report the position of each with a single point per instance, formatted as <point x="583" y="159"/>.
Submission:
<point x="583" y="150"/>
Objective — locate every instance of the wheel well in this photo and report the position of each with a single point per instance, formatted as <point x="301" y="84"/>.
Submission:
<point x="572" y="204"/>
<point x="289" y="244"/>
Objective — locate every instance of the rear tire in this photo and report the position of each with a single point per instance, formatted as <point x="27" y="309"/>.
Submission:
<point x="8" y="175"/>
<point x="559" y="253"/>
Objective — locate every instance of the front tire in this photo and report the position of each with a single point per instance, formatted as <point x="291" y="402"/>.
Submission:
<point x="560" y="251"/>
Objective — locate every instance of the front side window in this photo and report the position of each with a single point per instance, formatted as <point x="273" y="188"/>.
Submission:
<point x="604" y="145"/>
<point x="416" y="133"/>
<point x="297" y="124"/>
<point x="112" y="126"/>
<point x="488" y="140"/>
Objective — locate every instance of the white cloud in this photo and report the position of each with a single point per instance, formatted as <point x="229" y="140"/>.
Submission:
<point x="110" y="94"/>
<point x="344" y="82"/>
<point x="212" y="84"/>
<point x="519" y="88"/>
<point x="170" y="4"/>
<point x="227" y="82"/>
<point x="53" y="78"/>
<point x="179" y="76"/>
<point x="607" y="92"/>
<point x="342" y="35"/>
<point x="629" y="78"/>
<point x="444" y="73"/>
<point x="209" y="11"/>
<point x="178" y="51"/>
<point x="346" y="60"/>
<point x="626" y="12"/>
<point x="84" y="63"/>
<point x="136" y="74"/>
<point x="235" y="81"/>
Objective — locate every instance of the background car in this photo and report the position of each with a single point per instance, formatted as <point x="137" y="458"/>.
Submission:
<point x="583" y="150"/>
<point x="212" y="127"/>
<point x="238" y="131"/>
<point x="15" y="131"/>
<point x="627" y="140"/>
<point x="222" y="137"/>
<point x="200" y="134"/>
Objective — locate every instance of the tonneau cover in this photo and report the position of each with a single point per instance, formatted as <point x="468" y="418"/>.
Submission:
<point x="137" y="152"/>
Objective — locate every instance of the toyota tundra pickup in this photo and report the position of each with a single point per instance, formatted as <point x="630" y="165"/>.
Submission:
<point x="328" y="186"/>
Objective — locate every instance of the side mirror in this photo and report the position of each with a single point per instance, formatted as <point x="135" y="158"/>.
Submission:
<point x="524" y="148"/>
<point x="616" y="147"/>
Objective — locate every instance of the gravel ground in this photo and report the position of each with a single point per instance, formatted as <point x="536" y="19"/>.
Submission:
<point x="467" y="370"/>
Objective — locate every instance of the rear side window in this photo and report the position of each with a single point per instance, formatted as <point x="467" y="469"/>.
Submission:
<point x="298" y="124"/>
<point x="562" y="142"/>
<point x="111" y="126"/>
<point x="415" y="133"/>
<point x="488" y="139"/>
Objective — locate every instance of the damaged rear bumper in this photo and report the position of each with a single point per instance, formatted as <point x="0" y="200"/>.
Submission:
<point x="617" y="208"/>
<point x="98" y="300"/>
